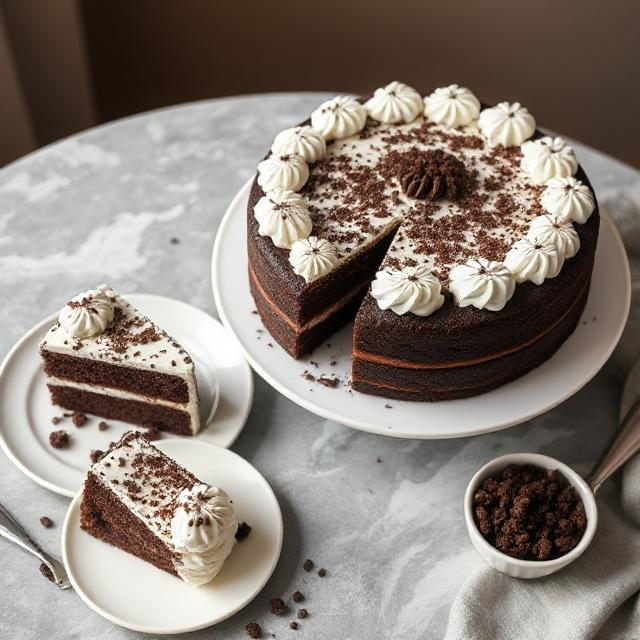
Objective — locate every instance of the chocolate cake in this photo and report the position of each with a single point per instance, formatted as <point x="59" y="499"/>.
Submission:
<point x="459" y="237"/>
<point x="104" y="357"/>
<point x="138" y="499"/>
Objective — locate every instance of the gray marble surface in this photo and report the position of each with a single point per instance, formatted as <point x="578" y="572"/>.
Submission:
<point x="103" y="206"/>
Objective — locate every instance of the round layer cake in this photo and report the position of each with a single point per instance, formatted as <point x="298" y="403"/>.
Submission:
<point x="459" y="237"/>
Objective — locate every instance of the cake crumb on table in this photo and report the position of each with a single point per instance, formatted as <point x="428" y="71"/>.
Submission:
<point x="253" y="630"/>
<point x="322" y="572"/>
<point x="46" y="522"/>
<point x="293" y="624"/>
<point x="278" y="606"/>
<point x="297" y="597"/>
<point x="302" y="614"/>
<point x="308" y="565"/>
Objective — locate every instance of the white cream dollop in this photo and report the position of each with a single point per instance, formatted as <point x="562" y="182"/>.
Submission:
<point x="283" y="215"/>
<point x="397" y="102"/>
<point x="203" y="532"/>
<point x="481" y="283"/>
<point x="508" y="124"/>
<point x="548" y="158"/>
<point x="313" y="258"/>
<point x="568" y="199"/>
<point x="532" y="259"/>
<point x="288" y="171"/>
<point x="339" y="118"/>
<point x="548" y="230"/>
<point x="410" y="290"/>
<point x="303" y="141"/>
<point x="88" y="314"/>
<point x="453" y="106"/>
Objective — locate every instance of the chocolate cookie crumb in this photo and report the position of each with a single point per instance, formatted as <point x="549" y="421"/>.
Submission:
<point x="243" y="531"/>
<point x="79" y="419"/>
<point x="302" y="614"/>
<point x="530" y="513"/>
<point x="278" y="607"/>
<point x="151" y="434"/>
<point x="322" y="572"/>
<point x="95" y="455"/>
<point x="332" y="383"/>
<point x="46" y="572"/>
<point x="308" y="565"/>
<point x="46" y="522"/>
<point x="59" y="439"/>
<point x="253" y="630"/>
<point x="297" y="597"/>
<point x="103" y="426"/>
<point x="293" y="624"/>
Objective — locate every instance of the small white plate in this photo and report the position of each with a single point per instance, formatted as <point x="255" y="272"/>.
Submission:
<point x="137" y="595"/>
<point x="575" y="363"/>
<point x="225" y="385"/>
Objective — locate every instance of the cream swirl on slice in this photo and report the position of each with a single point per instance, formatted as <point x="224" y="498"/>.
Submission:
<point x="547" y="230"/>
<point x="313" y="258"/>
<point x="481" y="283"/>
<point x="568" y="199"/>
<point x="303" y="141"/>
<point x="548" y="158"/>
<point x="534" y="260"/>
<point x="339" y="118"/>
<point x="395" y="103"/>
<point x="410" y="290"/>
<point x="508" y="124"/>
<point x="453" y="106"/>
<point x="203" y="530"/>
<point x="288" y="171"/>
<point x="88" y="314"/>
<point x="283" y="215"/>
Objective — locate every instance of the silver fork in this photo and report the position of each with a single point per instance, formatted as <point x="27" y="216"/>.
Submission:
<point x="11" y="530"/>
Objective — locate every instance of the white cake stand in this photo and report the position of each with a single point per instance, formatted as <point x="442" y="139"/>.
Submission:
<point x="574" y="364"/>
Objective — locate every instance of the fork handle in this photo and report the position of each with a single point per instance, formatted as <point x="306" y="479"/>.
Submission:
<point x="12" y="531"/>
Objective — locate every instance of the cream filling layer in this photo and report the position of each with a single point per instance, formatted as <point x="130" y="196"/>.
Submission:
<point x="191" y="407"/>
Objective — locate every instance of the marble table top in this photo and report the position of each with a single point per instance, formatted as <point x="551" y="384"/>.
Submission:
<point x="384" y="516"/>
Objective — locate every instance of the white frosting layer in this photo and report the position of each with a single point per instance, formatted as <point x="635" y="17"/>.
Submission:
<point x="88" y="314"/>
<point x="507" y="124"/>
<point x="132" y="340"/>
<point x="339" y="118"/>
<point x="533" y="260"/>
<point x="303" y="141"/>
<point x="547" y="230"/>
<point x="283" y="216"/>
<point x="394" y="103"/>
<point x="453" y="106"/>
<point x="568" y="199"/>
<point x="313" y="258"/>
<point x="548" y="158"/>
<point x="412" y="290"/>
<point x="283" y="172"/>
<point x="203" y="530"/>
<point x="483" y="284"/>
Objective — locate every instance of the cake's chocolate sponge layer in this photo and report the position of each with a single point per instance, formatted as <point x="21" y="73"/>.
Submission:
<point x="163" y="386"/>
<point x="297" y="343"/>
<point x="464" y="381"/>
<point x="137" y="412"/>
<point x="104" y="516"/>
<point x="289" y="292"/>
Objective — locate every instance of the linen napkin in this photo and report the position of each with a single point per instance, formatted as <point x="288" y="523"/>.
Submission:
<point x="596" y="597"/>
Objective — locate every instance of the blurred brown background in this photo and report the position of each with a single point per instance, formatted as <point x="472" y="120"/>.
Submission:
<point x="68" y="64"/>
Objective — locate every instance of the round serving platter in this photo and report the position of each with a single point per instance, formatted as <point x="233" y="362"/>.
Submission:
<point x="574" y="364"/>
<point x="225" y="386"/>
<point x="137" y="595"/>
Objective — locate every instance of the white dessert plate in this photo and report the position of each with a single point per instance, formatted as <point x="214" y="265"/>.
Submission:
<point x="137" y="595"/>
<point x="225" y="386"/>
<point x="575" y="363"/>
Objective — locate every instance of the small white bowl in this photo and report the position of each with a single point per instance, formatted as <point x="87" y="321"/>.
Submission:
<point x="529" y="568"/>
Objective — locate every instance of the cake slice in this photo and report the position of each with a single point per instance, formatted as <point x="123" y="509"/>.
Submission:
<point x="143" y="502"/>
<point x="104" y="357"/>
